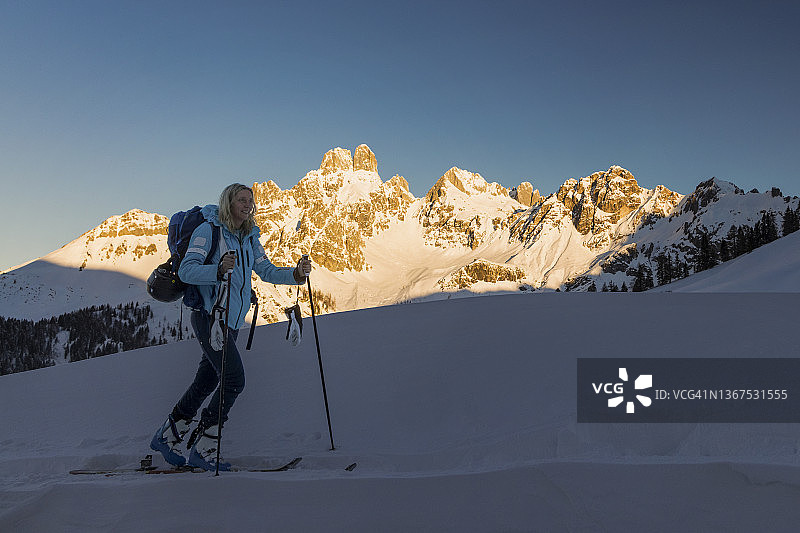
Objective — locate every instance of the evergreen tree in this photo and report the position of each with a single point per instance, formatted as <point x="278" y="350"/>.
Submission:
<point x="665" y="267"/>
<point x="624" y="287"/>
<point x="724" y="251"/>
<point x="755" y="235"/>
<point x="733" y="242"/>
<point x="769" y="229"/>
<point x="706" y="256"/>
<point x="791" y="221"/>
<point x="592" y="288"/>
<point x="643" y="278"/>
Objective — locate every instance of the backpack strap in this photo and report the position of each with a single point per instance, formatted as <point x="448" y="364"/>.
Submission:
<point x="192" y="298"/>
<point x="216" y="237"/>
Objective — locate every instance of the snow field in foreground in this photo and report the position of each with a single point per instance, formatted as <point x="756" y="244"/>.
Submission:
<point x="460" y="413"/>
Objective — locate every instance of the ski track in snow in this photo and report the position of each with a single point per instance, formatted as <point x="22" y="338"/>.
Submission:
<point x="460" y="414"/>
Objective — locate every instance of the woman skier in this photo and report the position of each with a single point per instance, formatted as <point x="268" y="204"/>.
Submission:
<point x="239" y="253"/>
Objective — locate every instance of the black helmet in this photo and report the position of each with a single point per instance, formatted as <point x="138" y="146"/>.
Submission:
<point x="164" y="285"/>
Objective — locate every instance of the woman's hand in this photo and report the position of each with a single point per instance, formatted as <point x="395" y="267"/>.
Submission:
<point x="226" y="264"/>
<point x="303" y="269"/>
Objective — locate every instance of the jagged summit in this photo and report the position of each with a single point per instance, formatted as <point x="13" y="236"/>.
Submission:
<point x="707" y="192"/>
<point x="341" y="160"/>
<point x="588" y="215"/>
<point x="365" y="159"/>
<point x="604" y="198"/>
<point x="463" y="210"/>
<point x="525" y="194"/>
<point x="466" y="182"/>
<point x="331" y="211"/>
<point x="336" y="160"/>
<point x="135" y="222"/>
<point x="341" y="176"/>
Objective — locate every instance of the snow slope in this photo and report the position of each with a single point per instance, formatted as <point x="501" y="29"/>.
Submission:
<point x="460" y="413"/>
<point x="774" y="267"/>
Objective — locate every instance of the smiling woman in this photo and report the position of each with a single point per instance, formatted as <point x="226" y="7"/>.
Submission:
<point x="224" y="284"/>
<point x="237" y="207"/>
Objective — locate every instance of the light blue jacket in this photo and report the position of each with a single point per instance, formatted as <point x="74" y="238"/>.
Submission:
<point x="250" y="257"/>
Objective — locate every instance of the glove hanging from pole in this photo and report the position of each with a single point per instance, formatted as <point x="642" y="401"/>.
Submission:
<point x="218" y="327"/>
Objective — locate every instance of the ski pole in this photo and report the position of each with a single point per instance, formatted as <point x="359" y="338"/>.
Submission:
<point x="319" y="356"/>
<point x="222" y="372"/>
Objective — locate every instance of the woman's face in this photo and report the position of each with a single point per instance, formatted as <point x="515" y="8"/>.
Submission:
<point x="242" y="206"/>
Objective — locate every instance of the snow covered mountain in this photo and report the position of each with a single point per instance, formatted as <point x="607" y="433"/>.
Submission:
<point x="374" y="243"/>
<point x="715" y="223"/>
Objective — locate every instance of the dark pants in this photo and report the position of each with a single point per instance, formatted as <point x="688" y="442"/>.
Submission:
<point x="207" y="380"/>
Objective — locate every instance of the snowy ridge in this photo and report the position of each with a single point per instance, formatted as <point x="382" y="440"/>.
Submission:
<point x="710" y="212"/>
<point x="128" y="243"/>
<point x="448" y="408"/>
<point x="106" y="265"/>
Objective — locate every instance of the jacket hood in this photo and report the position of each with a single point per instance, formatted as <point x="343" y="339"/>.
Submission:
<point x="211" y="213"/>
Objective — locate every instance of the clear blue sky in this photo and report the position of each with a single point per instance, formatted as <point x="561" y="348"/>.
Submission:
<point x="108" y="106"/>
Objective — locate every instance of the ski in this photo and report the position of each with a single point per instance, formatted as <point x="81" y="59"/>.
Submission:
<point x="147" y="468"/>
<point x="145" y="465"/>
<point x="112" y="471"/>
<point x="288" y="466"/>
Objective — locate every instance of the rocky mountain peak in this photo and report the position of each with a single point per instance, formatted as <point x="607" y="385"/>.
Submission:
<point x="135" y="222"/>
<point x="266" y="193"/>
<point x="398" y="182"/>
<point x="601" y="197"/>
<point x="338" y="159"/>
<point x="462" y="209"/>
<point x="466" y="182"/>
<point x="341" y="160"/>
<point x="525" y="194"/>
<point x="707" y="192"/>
<point x="604" y="206"/>
<point x="331" y="211"/>
<point x="121" y="242"/>
<point x="365" y="159"/>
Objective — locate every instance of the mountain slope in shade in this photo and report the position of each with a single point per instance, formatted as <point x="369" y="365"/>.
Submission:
<point x="775" y="267"/>
<point x="462" y="411"/>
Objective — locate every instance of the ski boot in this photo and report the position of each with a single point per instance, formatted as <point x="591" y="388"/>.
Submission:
<point x="203" y="444"/>
<point x="168" y="438"/>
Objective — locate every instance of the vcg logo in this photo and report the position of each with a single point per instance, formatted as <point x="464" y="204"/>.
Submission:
<point x="644" y="381"/>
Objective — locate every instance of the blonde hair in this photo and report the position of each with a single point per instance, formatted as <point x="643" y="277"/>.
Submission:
<point x="225" y="206"/>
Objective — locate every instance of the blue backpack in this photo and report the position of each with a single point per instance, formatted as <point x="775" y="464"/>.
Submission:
<point x="181" y="226"/>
